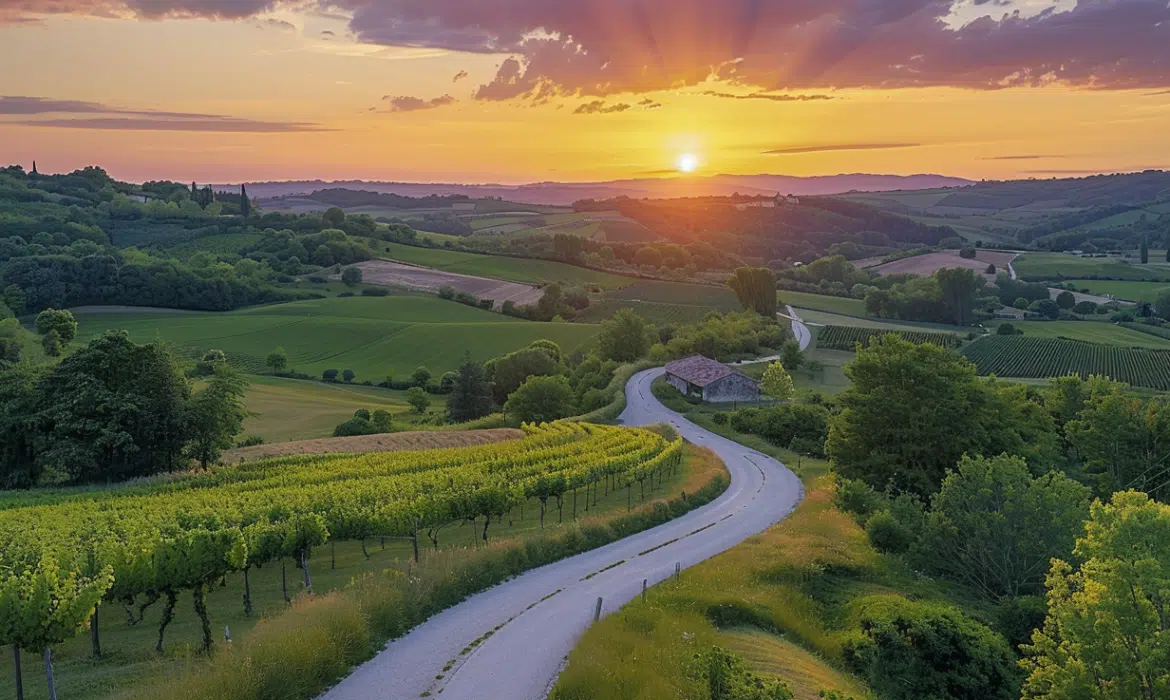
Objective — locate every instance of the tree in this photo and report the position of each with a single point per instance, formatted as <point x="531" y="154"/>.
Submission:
<point x="1045" y="307"/>
<point x="1021" y="303"/>
<point x="1162" y="305"/>
<point x="647" y="255"/>
<point x="1005" y="329"/>
<point x="623" y="337"/>
<point x="913" y="410"/>
<point x="909" y="651"/>
<point x="1145" y="250"/>
<point x="14" y="299"/>
<point x="277" y="361"/>
<point x="1122" y="440"/>
<point x="540" y="400"/>
<point x="245" y="203"/>
<point x="352" y="276"/>
<point x="215" y="415"/>
<point x="777" y="383"/>
<point x="995" y="528"/>
<point x="510" y="371"/>
<point x="418" y="399"/>
<point x="990" y="270"/>
<point x="381" y="420"/>
<point x="959" y="287"/>
<point x="1088" y="308"/>
<point x="1066" y="300"/>
<point x="1107" y="636"/>
<point x="334" y="217"/>
<point x="322" y="256"/>
<point x="60" y="321"/>
<point x="967" y="252"/>
<point x="728" y="678"/>
<point x="421" y="376"/>
<point x="790" y="355"/>
<point x="756" y="289"/>
<point x="471" y="393"/>
<point x="329" y="375"/>
<point x="51" y="342"/>
<point x="347" y="375"/>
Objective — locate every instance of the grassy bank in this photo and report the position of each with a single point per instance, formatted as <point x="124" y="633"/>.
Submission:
<point x="295" y="652"/>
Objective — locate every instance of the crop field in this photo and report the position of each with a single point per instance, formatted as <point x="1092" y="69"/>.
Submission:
<point x="1128" y="291"/>
<point x="1075" y="267"/>
<point x="224" y="243"/>
<point x="654" y="312"/>
<point x="385" y="272"/>
<point x="524" y="270"/>
<point x="847" y="337"/>
<point x="374" y="336"/>
<point x="821" y="302"/>
<point x="1039" y="358"/>
<point x="1159" y="331"/>
<point x="340" y="507"/>
<point x="1091" y="332"/>
<point x="710" y="297"/>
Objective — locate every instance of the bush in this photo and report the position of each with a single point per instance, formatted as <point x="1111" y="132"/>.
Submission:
<point x="909" y="651"/>
<point x="719" y="419"/>
<point x="858" y="498"/>
<point x="1005" y="329"/>
<point x="782" y="425"/>
<point x="887" y="535"/>
<point x="967" y="253"/>
<point x="250" y="441"/>
<point x="375" y="292"/>
<point x="329" y="375"/>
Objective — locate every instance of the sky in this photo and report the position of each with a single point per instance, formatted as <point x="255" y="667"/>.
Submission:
<point x="514" y="91"/>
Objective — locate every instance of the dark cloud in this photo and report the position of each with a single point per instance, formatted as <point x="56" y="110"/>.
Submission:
<point x="459" y="76"/>
<point x="594" y="48"/>
<point x="795" y="150"/>
<point x="599" y="107"/>
<point x="328" y="33"/>
<point x="224" y="125"/>
<point x="17" y="105"/>
<point x="767" y="96"/>
<point x="403" y="103"/>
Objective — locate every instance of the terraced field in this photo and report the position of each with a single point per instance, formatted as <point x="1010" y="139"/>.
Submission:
<point x="373" y="336"/>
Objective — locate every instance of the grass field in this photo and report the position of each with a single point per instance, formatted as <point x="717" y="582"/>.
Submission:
<point x="1076" y="267"/>
<point x="710" y="297"/>
<point x="129" y="661"/>
<point x="654" y="312"/>
<point x="290" y="409"/>
<point x="374" y="336"/>
<point x="515" y="269"/>
<point x="1103" y="333"/>
<point x="1127" y="291"/>
<point x="820" y="302"/>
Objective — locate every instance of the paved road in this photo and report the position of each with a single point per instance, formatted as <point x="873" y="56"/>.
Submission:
<point x="799" y="330"/>
<point x="521" y="659"/>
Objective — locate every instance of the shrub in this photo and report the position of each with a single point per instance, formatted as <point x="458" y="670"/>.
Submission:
<point x="1005" y="329"/>
<point x="967" y="253"/>
<point x="250" y="441"/>
<point x="858" y="498"/>
<point x="329" y="375"/>
<point x="720" y="418"/>
<point x="375" y="292"/>
<point x="888" y="535"/>
<point x="909" y="651"/>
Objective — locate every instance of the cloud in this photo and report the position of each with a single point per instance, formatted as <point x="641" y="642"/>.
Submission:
<point x="767" y="96"/>
<point x="280" y="24"/>
<point x="18" y="105"/>
<point x="796" y="150"/>
<point x="599" y="107"/>
<point x="596" y="48"/>
<point x="1027" y="156"/>
<point x="222" y="124"/>
<point x="328" y="33"/>
<point x="459" y="76"/>
<point x="404" y="103"/>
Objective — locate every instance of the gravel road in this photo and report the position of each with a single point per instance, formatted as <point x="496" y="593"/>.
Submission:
<point x="537" y="617"/>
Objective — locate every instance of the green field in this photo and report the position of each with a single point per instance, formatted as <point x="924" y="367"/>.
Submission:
<point x="711" y="297"/>
<point x="820" y="302"/>
<point x="821" y="318"/>
<point x="1128" y="291"/>
<point x="525" y="270"/>
<point x="1076" y="267"/>
<point x="654" y="312"/>
<point x="847" y="337"/>
<point x="1103" y="333"/>
<point x="374" y="336"/>
<point x="1039" y="357"/>
<point x="290" y="409"/>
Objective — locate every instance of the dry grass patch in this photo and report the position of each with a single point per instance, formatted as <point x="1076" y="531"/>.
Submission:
<point x="388" y="442"/>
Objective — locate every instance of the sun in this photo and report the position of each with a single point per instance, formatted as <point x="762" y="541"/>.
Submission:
<point x="688" y="163"/>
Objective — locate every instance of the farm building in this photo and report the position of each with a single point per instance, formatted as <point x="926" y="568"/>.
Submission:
<point x="715" y="382"/>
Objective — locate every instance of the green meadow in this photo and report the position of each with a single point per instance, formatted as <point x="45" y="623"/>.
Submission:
<point x="527" y="270"/>
<point x="376" y="337"/>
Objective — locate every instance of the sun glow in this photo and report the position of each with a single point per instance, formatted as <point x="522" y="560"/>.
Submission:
<point x="688" y="163"/>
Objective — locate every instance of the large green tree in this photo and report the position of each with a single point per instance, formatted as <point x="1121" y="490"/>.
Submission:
<point x="756" y="289"/>
<point x="1107" y="635"/>
<point x="471" y="393"/>
<point x="1121" y="439"/>
<point x="912" y="411"/>
<point x="541" y="399"/>
<point x="959" y="287"/>
<point x="215" y="415"/>
<point x="995" y="527"/>
<point x="507" y="373"/>
<point x="623" y="337"/>
<point x="62" y="322"/>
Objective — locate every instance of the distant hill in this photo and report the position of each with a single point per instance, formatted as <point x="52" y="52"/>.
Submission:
<point x="565" y="193"/>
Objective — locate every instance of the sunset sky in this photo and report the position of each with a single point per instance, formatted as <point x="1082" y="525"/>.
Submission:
<point x="578" y="90"/>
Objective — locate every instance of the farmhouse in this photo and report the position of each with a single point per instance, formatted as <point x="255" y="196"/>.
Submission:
<point x="712" y="381"/>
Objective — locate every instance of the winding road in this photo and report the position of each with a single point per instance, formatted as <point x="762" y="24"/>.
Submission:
<point x="537" y="617"/>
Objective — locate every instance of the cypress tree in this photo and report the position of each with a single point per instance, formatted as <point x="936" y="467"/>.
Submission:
<point x="245" y="205"/>
<point x="34" y="170"/>
<point x="1145" y="250"/>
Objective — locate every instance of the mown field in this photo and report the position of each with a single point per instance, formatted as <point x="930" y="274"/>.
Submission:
<point x="1127" y="291"/>
<point x="376" y="337"/>
<point x="1077" y="268"/>
<point x="1039" y="358"/>
<point x="820" y="302"/>
<point x="514" y="269"/>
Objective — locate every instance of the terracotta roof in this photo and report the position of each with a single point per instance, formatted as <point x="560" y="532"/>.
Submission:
<point x="699" y="370"/>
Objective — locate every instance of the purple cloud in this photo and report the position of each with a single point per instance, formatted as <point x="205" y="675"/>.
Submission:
<point x="405" y="103"/>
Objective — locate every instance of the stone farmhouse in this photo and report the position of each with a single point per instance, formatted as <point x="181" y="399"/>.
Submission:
<point x="714" y="382"/>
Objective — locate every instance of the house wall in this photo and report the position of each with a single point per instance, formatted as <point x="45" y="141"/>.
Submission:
<point x="734" y="387"/>
<point x="682" y="385"/>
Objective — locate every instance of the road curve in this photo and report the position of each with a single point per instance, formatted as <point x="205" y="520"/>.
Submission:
<point x="801" y="331"/>
<point x="537" y="617"/>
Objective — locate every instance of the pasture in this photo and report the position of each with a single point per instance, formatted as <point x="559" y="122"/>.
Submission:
<point x="1085" y="331"/>
<point x="1074" y="267"/>
<point x="527" y="270"/>
<point x="1128" y="291"/>
<point x="374" y="336"/>
<point x="821" y="302"/>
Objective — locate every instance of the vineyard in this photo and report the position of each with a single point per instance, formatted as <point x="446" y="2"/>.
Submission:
<point x="68" y="550"/>
<point x="1039" y="358"/>
<point x="847" y="337"/>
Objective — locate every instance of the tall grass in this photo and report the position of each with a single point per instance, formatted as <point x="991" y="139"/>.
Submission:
<point x="302" y="651"/>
